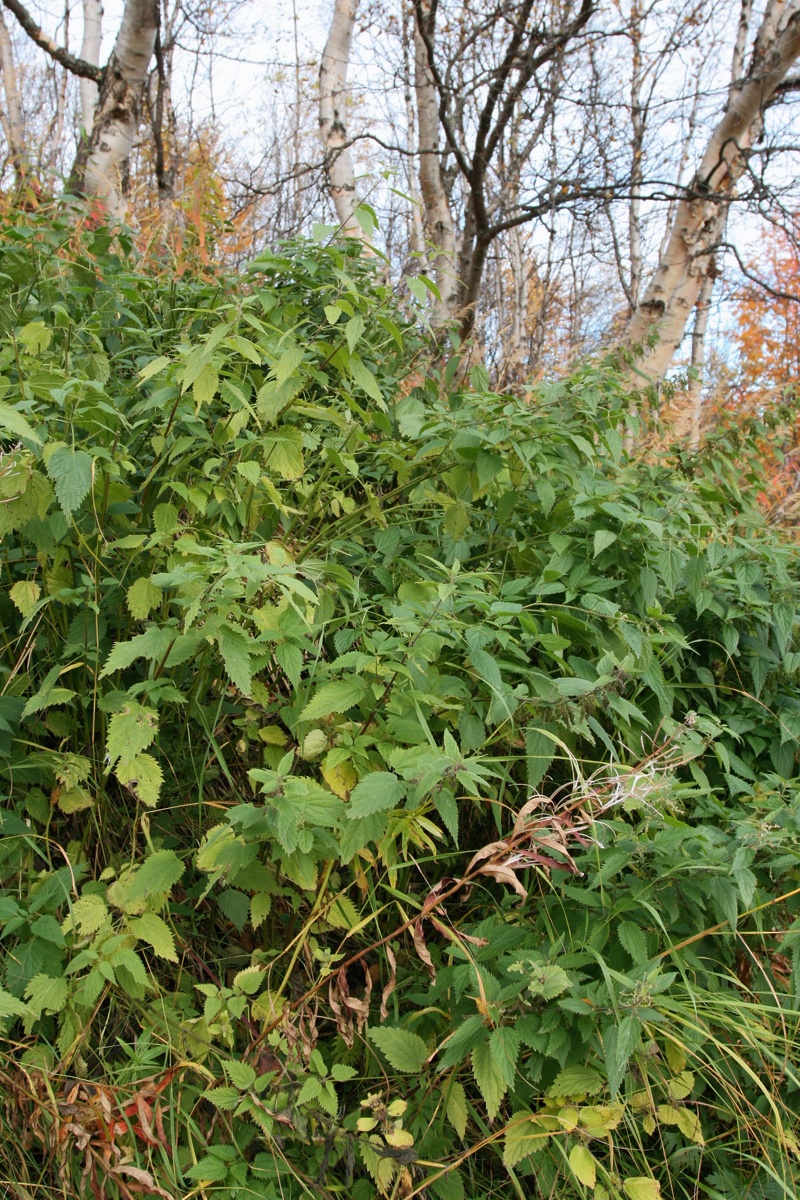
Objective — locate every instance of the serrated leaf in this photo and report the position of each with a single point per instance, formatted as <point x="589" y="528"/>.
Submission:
<point x="376" y="792"/>
<point x="241" y="1074"/>
<point x="353" y="331"/>
<point x="35" y="336"/>
<point x="633" y="939"/>
<point x="152" y="368"/>
<point x="342" y="1073"/>
<point x="12" y="421"/>
<point x="456" y="1107"/>
<point x="356" y="835"/>
<point x="206" y="383"/>
<point x="524" y="1135"/>
<point x="576" y="1081"/>
<point x="150" y="928"/>
<point x="24" y="595"/>
<point x="142" y="597"/>
<point x="87" y="915"/>
<point x="283" y="453"/>
<point x="130" y="731"/>
<point x="143" y="776"/>
<point x="153" y="644"/>
<point x="681" y="1086"/>
<point x="489" y="1078"/>
<point x="234" y="646"/>
<point x="584" y="1165"/>
<point x="641" y="1188"/>
<point x="447" y="808"/>
<point x="405" y="1050"/>
<point x="504" y="1047"/>
<point x="336" y="697"/>
<point x="71" y="473"/>
<point x="225" y="1098"/>
<point x="47" y="995"/>
<point x="249" y="980"/>
<point x="47" y="698"/>
<point x="156" y="875"/>
<point x="603" y="538"/>
<point x="364" y="379"/>
<point x="340" y="778"/>
<point x="10" y="1006"/>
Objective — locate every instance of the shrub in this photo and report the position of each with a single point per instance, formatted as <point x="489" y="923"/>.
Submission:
<point x="402" y="789"/>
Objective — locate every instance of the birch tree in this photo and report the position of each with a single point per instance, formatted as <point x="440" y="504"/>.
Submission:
<point x="99" y="164"/>
<point x="333" y="98"/>
<point x="670" y="298"/>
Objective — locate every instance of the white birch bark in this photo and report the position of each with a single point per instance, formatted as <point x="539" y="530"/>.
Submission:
<point x="674" y="289"/>
<point x="437" y="217"/>
<point x="13" y="123"/>
<point x="90" y="52"/>
<point x="333" y="116"/>
<point x="100" y="162"/>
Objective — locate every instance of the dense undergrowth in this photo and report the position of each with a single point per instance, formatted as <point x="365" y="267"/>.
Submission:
<point x="401" y="782"/>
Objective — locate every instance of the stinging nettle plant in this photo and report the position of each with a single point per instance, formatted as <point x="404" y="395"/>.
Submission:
<point x="401" y="779"/>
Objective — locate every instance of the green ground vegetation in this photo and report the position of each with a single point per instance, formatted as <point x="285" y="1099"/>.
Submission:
<point x="401" y="788"/>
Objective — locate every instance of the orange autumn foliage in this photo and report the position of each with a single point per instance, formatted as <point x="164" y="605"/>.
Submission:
<point x="766" y="380"/>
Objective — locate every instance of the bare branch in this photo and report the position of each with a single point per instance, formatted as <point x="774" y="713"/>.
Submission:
<point x="77" y="66"/>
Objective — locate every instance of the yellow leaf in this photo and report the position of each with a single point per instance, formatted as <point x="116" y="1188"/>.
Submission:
<point x="24" y="595"/>
<point x="341" y="779"/>
<point x="681" y="1086"/>
<point x="584" y="1165"/>
<point x="641" y="1188"/>
<point x="399" y="1138"/>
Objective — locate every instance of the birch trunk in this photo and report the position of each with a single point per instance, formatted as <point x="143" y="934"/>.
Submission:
<point x="333" y="116"/>
<point x="90" y="52"/>
<point x="437" y="217"/>
<point x="674" y="289"/>
<point x="13" y="123"/>
<point x="101" y="162"/>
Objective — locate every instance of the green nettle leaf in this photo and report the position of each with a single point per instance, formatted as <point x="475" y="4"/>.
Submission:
<point x="336" y="697"/>
<point x="641" y="1188"/>
<point x="456" y="1107"/>
<point x="447" y="808"/>
<point x="363" y="378"/>
<point x="524" y="1135"/>
<point x="204" y="388"/>
<point x="283" y="453"/>
<point x="12" y="421"/>
<point x="356" y="835"/>
<point x="374" y="793"/>
<point x="11" y="1007"/>
<point x="603" y="538"/>
<point x="405" y="1050"/>
<point x="47" y="995"/>
<point x="634" y="940"/>
<point x="143" y="776"/>
<point x="619" y="1042"/>
<point x="241" y="1074"/>
<point x="234" y="646"/>
<point x="151" y="928"/>
<point x="50" y="697"/>
<point x="249" y="980"/>
<point x="130" y="731"/>
<point x="489" y="1078"/>
<point x="152" y="368"/>
<point x="156" y="876"/>
<point x="142" y="597"/>
<point x="353" y="331"/>
<point x="584" y="1165"/>
<point x="71" y="473"/>
<point x="24" y="595"/>
<point x="153" y="644"/>
<point x="576" y="1081"/>
<point x="35" y="337"/>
